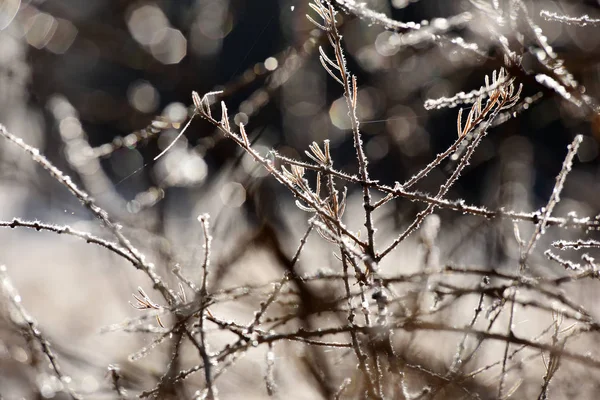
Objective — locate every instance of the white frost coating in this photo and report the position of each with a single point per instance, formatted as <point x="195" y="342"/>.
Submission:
<point x="432" y="32"/>
<point x="583" y="20"/>
<point x="551" y="83"/>
<point x="374" y="17"/>
<point x="462" y="97"/>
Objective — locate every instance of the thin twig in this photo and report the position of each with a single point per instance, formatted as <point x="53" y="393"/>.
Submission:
<point x="540" y="227"/>
<point x="27" y="322"/>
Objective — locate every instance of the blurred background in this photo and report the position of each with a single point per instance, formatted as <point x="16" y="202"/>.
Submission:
<point x="101" y="87"/>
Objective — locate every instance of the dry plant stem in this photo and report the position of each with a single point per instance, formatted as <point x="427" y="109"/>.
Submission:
<point x="502" y="98"/>
<point x="426" y="392"/>
<point x="433" y="33"/>
<point x="207" y="242"/>
<point x="170" y="377"/>
<point x="144" y="351"/>
<point x="224" y="366"/>
<point x="443" y="190"/>
<point x="269" y="373"/>
<point x="12" y="296"/>
<point x="202" y="346"/>
<point x="491" y="90"/>
<point x="566" y="264"/>
<point x="459" y="361"/>
<point x="98" y="212"/>
<point x="540" y="227"/>
<point x="460" y="206"/>
<point x="428" y="31"/>
<point x="360" y="355"/>
<point x="67" y="230"/>
<point x="279" y="285"/>
<point x="559" y="78"/>
<point x="507" y="345"/>
<point x="578" y="313"/>
<point x="351" y="94"/>
<point x="358" y="351"/>
<point x="87" y="201"/>
<point x="412" y="325"/>
<point x="440" y="157"/>
<point x="342" y="388"/>
<point x="251" y="328"/>
<point x="554" y="361"/>
<point x="347" y="257"/>
<point x="577" y="244"/>
<point x="403" y="325"/>
<point x="226" y="129"/>
<point x="349" y="250"/>
<point x="583" y="20"/>
<point x="361" y="11"/>
<point x="245" y="341"/>
<point x="179" y="328"/>
<point x="464" y="98"/>
<point x="166" y="380"/>
<point x="554" y="66"/>
<point x="483" y="369"/>
<point x="507" y="357"/>
<point x="238" y="350"/>
<point x="186" y="311"/>
<point x="177" y="272"/>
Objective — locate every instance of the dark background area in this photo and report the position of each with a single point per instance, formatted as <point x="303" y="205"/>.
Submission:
<point x="101" y="87"/>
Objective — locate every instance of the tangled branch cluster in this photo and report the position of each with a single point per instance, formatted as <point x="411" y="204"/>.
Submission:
<point x="367" y="309"/>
